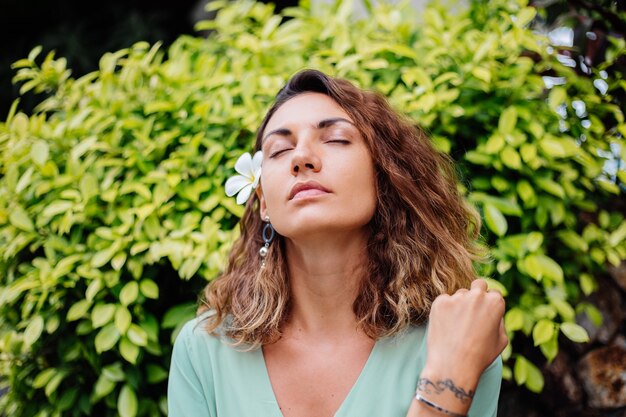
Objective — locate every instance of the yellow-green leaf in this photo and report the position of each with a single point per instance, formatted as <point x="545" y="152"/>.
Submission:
<point x="495" y="220"/>
<point x="19" y="218"/>
<point x="575" y="332"/>
<point x="149" y="288"/>
<point x="33" y="330"/>
<point x="39" y="152"/>
<point x="129" y="293"/>
<point x="508" y="120"/>
<point x="106" y="338"/>
<point x="102" y="314"/>
<point x="543" y="331"/>
<point x="127" y="402"/>
<point x="137" y="335"/>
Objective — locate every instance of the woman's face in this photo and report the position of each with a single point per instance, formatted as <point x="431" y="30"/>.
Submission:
<point x="318" y="175"/>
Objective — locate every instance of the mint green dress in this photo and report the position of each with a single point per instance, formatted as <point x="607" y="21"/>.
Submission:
<point x="209" y="378"/>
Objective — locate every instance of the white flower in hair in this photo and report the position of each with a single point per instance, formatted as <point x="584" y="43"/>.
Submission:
<point x="249" y="169"/>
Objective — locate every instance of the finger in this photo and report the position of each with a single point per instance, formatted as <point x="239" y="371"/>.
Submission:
<point x="479" y="285"/>
<point x="496" y="300"/>
<point x="504" y="338"/>
<point x="495" y="290"/>
<point x="462" y="290"/>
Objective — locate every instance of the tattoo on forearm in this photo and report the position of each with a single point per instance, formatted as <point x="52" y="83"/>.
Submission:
<point x="429" y="387"/>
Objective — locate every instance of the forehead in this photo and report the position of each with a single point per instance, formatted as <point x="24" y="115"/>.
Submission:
<point x="305" y="109"/>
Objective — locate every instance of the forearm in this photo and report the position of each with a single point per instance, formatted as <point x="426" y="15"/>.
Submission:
<point x="453" y="394"/>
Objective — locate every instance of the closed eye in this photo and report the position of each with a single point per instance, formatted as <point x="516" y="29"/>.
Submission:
<point x="343" y="141"/>
<point x="278" y="152"/>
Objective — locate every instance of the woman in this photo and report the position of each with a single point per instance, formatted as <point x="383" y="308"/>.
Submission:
<point x="353" y="238"/>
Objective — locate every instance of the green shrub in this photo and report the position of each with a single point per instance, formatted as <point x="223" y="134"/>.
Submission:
<point x="113" y="213"/>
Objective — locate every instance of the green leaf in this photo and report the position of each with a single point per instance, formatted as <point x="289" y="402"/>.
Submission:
<point x="593" y="313"/>
<point x="525" y="16"/>
<point x="618" y="235"/>
<point x="550" y="348"/>
<point x="540" y="266"/>
<point x="534" y="378"/>
<point x="552" y="148"/>
<point x="149" y="288"/>
<point x="102" y="314"/>
<point x="129" y="350"/>
<point x="54" y="383"/>
<point x="67" y="399"/>
<point x="39" y="152"/>
<point x="129" y="293"/>
<point x="114" y="372"/>
<point x="118" y="261"/>
<point x="137" y="335"/>
<point x="494" y="220"/>
<point x="494" y="144"/>
<point x="575" y="332"/>
<point x="543" y="331"/>
<point x="127" y="402"/>
<point x="534" y="240"/>
<point x="514" y="319"/>
<point x="557" y="96"/>
<point x="526" y="193"/>
<point x="587" y="283"/>
<point x="156" y="374"/>
<point x="92" y="289"/>
<point x="44" y="377"/>
<point x="33" y="330"/>
<point x="520" y="370"/>
<point x="550" y="186"/>
<point x="122" y="319"/>
<point x="573" y="240"/>
<point x="106" y="338"/>
<point x="78" y="310"/>
<point x="104" y="386"/>
<point x="100" y="258"/>
<point x="178" y="315"/>
<point x="508" y="120"/>
<point x="511" y="158"/>
<point x="20" y="219"/>
<point x="564" y="308"/>
<point x="528" y="374"/>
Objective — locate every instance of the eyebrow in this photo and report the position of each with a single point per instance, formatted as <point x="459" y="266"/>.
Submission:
<point x="322" y="124"/>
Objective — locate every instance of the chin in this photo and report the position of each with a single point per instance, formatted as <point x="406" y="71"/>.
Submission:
<point x="304" y="227"/>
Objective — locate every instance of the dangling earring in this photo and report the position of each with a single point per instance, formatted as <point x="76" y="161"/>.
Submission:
<point x="268" y="236"/>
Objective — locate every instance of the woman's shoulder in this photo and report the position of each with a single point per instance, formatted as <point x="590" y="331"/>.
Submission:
<point x="196" y="330"/>
<point x="202" y="344"/>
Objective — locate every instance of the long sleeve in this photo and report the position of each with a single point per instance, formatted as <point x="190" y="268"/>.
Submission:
<point x="485" y="402"/>
<point x="186" y="397"/>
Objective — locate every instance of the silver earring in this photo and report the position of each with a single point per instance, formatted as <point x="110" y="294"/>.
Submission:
<point x="268" y="235"/>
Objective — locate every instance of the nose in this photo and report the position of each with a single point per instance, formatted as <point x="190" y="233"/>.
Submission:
<point x="305" y="158"/>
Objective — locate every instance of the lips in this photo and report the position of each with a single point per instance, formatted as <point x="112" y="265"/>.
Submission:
<point x="308" y="188"/>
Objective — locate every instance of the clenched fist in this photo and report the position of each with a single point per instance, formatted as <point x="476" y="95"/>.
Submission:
<point x="465" y="332"/>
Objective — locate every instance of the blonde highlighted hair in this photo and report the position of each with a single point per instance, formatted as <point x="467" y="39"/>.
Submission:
<point x="422" y="240"/>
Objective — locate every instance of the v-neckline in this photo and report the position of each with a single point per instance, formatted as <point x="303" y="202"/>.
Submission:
<point x="269" y="389"/>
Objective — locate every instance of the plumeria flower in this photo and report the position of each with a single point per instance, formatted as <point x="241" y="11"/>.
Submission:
<point x="249" y="169"/>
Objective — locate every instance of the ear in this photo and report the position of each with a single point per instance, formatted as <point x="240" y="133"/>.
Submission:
<point x="262" y="205"/>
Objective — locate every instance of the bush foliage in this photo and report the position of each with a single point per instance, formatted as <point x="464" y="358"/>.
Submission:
<point x="112" y="207"/>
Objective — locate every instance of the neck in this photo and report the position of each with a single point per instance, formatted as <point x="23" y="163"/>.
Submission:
<point x="325" y="275"/>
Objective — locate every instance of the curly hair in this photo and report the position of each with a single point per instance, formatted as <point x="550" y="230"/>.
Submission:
<point x="422" y="241"/>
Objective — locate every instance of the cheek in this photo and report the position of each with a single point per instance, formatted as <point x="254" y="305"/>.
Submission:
<point x="271" y="189"/>
<point x="361" y="182"/>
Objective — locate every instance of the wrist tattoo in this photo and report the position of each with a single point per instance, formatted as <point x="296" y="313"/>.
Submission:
<point x="429" y="387"/>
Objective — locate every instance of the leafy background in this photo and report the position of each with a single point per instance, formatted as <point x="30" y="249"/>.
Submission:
<point x="113" y="214"/>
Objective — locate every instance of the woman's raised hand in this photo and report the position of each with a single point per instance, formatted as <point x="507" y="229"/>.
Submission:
<point x="465" y="335"/>
<point x="466" y="331"/>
